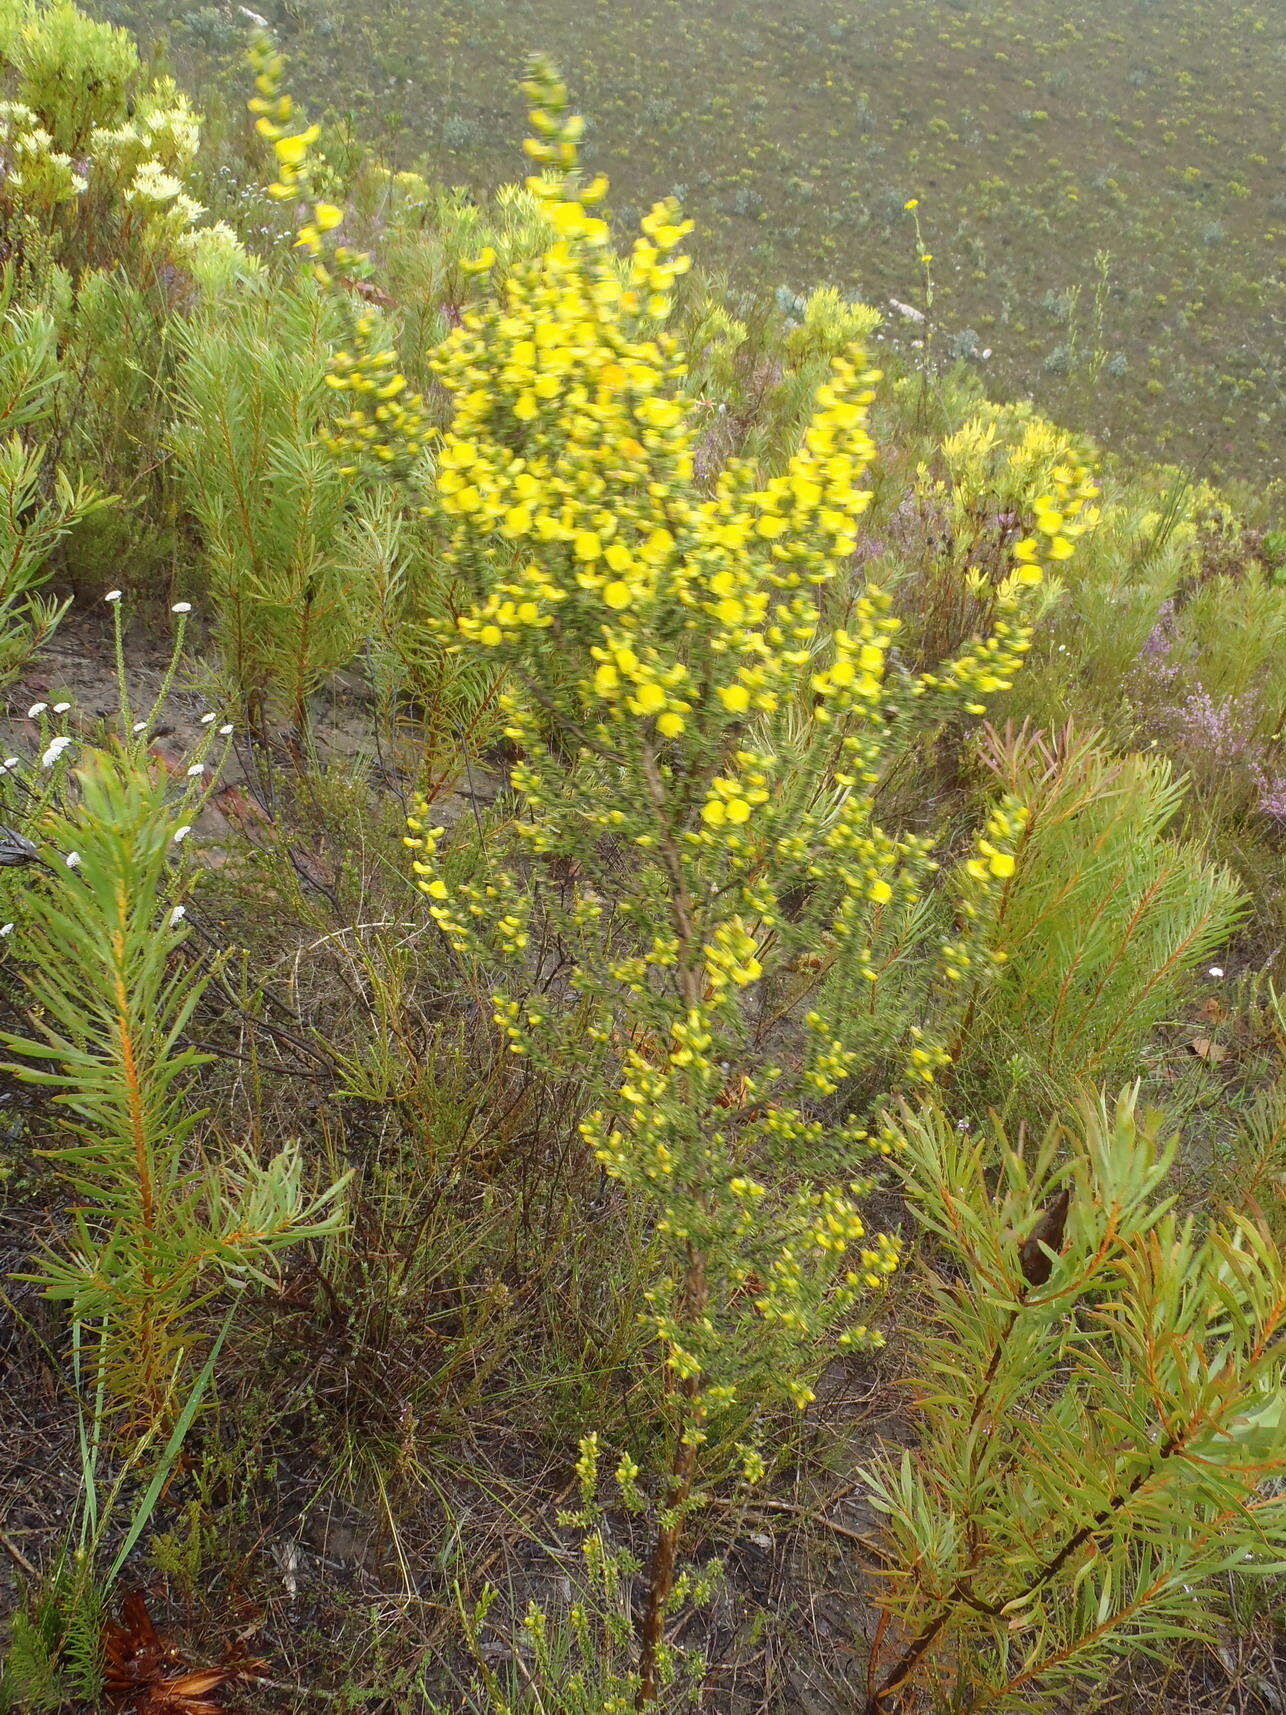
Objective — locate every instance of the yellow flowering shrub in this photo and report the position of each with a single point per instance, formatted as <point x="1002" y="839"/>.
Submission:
<point x="828" y="322"/>
<point x="1011" y="495"/>
<point x="693" y="900"/>
<point x="386" y="427"/>
<point x="692" y="905"/>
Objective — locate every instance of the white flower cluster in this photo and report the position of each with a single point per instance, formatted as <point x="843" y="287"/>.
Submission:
<point x="144" y="161"/>
<point x="216" y="256"/>
<point x="171" y="211"/>
<point x="164" y="131"/>
<point x="30" y="163"/>
<point x="151" y="183"/>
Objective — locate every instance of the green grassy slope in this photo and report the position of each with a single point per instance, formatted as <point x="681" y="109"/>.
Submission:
<point x="1101" y="186"/>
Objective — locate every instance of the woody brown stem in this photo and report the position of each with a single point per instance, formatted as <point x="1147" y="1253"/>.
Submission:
<point x="665" y="1550"/>
<point x="665" y="1553"/>
<point x="923" y="1641"/>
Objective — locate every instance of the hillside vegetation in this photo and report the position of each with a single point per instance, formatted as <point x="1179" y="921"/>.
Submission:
<point x="641" y="953"/>
<point x="1101" y="186"/>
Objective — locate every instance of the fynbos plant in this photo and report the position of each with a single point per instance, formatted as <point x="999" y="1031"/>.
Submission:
<point x="96" y="161"/>
<point x="688" y="910"/>
<point x="269" y="499"/>
<point x="36" y="513"/>
<point x="156" y="1227"/>
<point x="1103" y="922"/>
<point x="1102" y="1429"/>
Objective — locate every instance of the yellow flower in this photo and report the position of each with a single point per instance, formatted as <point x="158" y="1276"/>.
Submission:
<point x="648" y="699"/>
<point x="568" y="218"/>
<point x="292" y="150"/>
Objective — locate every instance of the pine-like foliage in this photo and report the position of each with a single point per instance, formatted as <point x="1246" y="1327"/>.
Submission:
<point x="1102" y="922"/>
<point x="1101" y="1423"/>
<point x="33" y="520"/>
<point x="444" y="703"/>
<point x="268" y="498"/>
<point x="54" y="1656"/>
<point x="156" y="1227"/>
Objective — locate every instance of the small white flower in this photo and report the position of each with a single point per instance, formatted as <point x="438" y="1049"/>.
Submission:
<point x="72" y="860"/>
<point x="36" y="709"/>
<point x="55" y="750"/>
<point x="61" y="708"/>
<point x="181" y="607"/>
<point x="177" y="915"/>
<point x="1216" y="971"/>
<point x="139" y="725"/>
<point x="181" y="834"/>
<point x="6" y="929"/>
<point x="225" y="731"/>
<point x="196" y="768"/>
<point x="207" y="719"/>
<point x="112" y="595"/>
